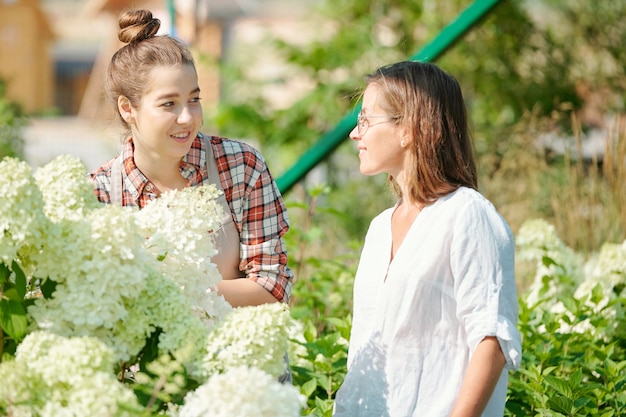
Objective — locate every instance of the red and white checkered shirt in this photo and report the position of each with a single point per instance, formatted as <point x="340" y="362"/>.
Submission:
<point x="255" y="202"/>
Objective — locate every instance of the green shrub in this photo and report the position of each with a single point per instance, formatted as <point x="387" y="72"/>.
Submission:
<point x="12" y="120"/>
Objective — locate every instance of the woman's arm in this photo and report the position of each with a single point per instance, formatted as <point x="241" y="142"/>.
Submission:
<point x="483" y="372"/>
<point x="262" y="220"/>
<point x="244" y="292"/>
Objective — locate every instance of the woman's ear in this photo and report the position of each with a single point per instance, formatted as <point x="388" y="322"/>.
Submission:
<point x="125" y="109"/>
<point x="406" y="140"/>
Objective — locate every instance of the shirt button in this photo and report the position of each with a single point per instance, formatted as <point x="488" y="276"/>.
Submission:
<point x="149" y="188"/>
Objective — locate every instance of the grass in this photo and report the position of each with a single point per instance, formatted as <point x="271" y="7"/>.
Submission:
<point x="584" y="199"/>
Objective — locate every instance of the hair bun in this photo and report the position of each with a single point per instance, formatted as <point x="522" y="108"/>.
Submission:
<point x="137" y="25"/>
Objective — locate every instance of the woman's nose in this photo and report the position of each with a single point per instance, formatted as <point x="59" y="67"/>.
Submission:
<point x="185" y="115"/>
<point x="354" y="134"/>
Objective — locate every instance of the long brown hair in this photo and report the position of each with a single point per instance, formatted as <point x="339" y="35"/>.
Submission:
<point x="428" y="102"/>
<point x="130" y="66"/>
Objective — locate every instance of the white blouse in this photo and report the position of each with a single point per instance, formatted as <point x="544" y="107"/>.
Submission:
<point x="418" y="319"/>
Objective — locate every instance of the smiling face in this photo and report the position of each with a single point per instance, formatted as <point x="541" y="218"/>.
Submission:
<point x="381" y="146"/>
<point x="169" y="115"/>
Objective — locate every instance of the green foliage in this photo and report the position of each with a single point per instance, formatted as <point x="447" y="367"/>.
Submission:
<point x="12" y="120"/>
<point x="574" y="348"/>
<point x="573" y="358"/>
<point x="13" y="321"/>
<point x="322" y="301"/>
<point x="527" y="67"/>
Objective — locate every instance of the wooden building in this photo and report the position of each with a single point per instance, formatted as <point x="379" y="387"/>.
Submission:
<point x="26" y="65"/>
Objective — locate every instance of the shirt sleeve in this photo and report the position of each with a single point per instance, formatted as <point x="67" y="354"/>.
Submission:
<point x="482" y="262"/>
<point x="102" y="182"/>
<point x="262" y="220"/>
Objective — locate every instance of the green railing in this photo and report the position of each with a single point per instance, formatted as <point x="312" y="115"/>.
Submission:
<point x="331" y="140"/>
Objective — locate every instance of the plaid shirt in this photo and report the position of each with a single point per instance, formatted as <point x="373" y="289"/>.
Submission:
<point x="255" y="202"/>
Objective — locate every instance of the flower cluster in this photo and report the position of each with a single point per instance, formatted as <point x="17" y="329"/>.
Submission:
<point x="67" y="191"/>
<point x="559" y="272"/>
<point x="100" y="271"/>
<point x="177" y="227"/>
<point x="537" y="241"/>
<point x="22" y="220"/>
<point x="607" y="269"/>
<point x="251" y="336"/>
<point x="243" y="392"/>
<point x="56" y="376"/>
<point x="123" y="287"/>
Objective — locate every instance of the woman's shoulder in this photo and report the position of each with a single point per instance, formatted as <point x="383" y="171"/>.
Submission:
<point x="465" y="196"/>
<point x="469" y="206"/>
<point x="230" y="145"/>
<point x="103" y="171"/>
<point x="384" y="217"/>
<point x="238" y="150"/>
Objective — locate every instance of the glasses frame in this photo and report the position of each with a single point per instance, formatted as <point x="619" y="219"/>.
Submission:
<point x="363" y="123"/>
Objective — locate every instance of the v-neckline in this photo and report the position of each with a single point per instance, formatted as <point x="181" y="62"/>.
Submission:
<point x="393" y="256"/>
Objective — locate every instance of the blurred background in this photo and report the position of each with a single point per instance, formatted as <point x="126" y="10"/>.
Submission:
<point x="53" y="55"/>
<point x="543" y="80"/>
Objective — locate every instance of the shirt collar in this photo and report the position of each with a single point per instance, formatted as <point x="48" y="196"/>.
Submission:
<point x="194" y="161"/>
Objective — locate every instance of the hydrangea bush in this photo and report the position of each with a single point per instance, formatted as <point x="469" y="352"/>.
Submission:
<point x="573" y="326"/>
<point x="106" y="310"/>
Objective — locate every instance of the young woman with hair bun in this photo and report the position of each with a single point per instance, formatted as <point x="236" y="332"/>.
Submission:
<point x="152" y="85"/>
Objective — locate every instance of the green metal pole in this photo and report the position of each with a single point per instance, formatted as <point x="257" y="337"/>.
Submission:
<point x="331" y="140"/>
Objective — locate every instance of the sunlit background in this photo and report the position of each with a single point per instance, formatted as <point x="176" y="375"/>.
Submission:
<point x="53" y="54"/>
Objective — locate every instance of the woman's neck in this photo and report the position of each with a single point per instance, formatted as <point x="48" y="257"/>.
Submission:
<point x="163" y="173"/>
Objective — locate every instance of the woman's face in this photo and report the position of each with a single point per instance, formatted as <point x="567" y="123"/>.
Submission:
<point x="169" y="115"/>
<point x="379" y="139"/>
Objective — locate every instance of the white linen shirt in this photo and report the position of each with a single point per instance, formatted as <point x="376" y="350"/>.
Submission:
<point x="418" y="319"/>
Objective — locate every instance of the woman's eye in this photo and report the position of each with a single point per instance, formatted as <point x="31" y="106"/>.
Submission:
<point x="195" y="100"/>
<point x="168" y="104"/>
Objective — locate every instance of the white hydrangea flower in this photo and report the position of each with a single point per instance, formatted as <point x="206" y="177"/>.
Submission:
<point x="66" y="187"/>
<point x="178" y="227"/>
<point x="163" y="305"/>
<point x="607" y="269"/>
<point x="255" y="336"/>
<point x="71" y="377"/>
<point x="537" y="238"/>
<point x="100" y="268"/>
<point x="580" y="326"/>
<point x="22" y="219"/>
<point x="243" y="392"/>
<point x="19" y="390"/>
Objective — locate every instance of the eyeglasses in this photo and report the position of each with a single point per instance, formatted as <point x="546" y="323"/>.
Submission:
<point x="363" y="123"/>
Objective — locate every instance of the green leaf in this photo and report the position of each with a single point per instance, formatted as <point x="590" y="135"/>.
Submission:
<point x="20" y="279"/>
<point x="547" y="261"/>
<point x="10" y="293"/>
<point x="13" y="318"/>
<point x="559" y="385"/>
<point x="561" y="404"/>
<point x="310" y="333"/>
<point x="308" y="387"/>
<point x="4" y="273"/>
<point x="324" y="405"/>
<point x="576" y="378"/>
<point x="324" y="382"/>
<point x="47" y="287"/>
